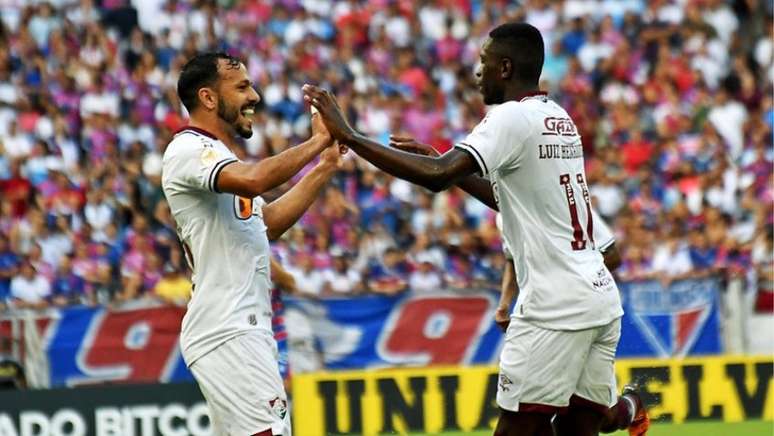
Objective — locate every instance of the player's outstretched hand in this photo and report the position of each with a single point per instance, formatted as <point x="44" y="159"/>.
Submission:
<point x="319" y="129"/>
<point x="332" y="156"/>
<point x="410" y="145"/>
<point x="328" y="107"/>
<point x="502" y="317"/>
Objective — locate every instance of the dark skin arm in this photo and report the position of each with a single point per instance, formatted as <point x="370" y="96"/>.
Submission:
<point x="434" y="173"/>
<point x="474" y="185"/>
<point x="612" y="257"/>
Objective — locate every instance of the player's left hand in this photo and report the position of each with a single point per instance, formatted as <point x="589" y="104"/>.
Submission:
<point x="332" y="116"/>
<point x="502" y="317"/>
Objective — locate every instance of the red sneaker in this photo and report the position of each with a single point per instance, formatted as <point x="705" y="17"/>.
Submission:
<point x="641" y="421"/>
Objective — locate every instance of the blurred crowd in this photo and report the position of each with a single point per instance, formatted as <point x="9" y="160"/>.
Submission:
<point x="673" y="99"/>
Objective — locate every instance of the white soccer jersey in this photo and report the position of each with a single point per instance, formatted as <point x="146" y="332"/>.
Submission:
<point x="531" y="152"/>
<point x="225" y="243"/>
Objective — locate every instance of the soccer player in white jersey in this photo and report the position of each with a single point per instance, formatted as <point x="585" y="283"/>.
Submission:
<point x="525" y="159"/>
<point x="225" y="228"/>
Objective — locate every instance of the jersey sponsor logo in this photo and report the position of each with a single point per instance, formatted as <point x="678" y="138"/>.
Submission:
<point x="243" y="207"/>
<point x="559" y="127"/>
<point x="604" y="280"/>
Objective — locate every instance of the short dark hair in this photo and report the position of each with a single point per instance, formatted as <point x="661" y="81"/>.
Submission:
<point x="199" y="72"/>
<point x="523" y="44"/>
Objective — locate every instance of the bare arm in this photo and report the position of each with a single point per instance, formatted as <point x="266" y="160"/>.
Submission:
<point x="434" y="173"/>
<point x="281" y="277"/>
<point x="476" y="186"/>
<point x="283" y="212"/>
<point x="612" y="257"/>
<point x="252" y="180"/>
<point x="508" y="292"/>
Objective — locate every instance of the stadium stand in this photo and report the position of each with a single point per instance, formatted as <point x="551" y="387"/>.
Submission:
<point x="673" y="100"/>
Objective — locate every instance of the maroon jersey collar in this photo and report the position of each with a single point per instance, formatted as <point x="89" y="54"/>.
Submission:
<point x="197" y="130"/>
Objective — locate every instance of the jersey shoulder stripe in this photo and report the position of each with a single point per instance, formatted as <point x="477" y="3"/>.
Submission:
<point x="476" y="155"/>
<point x="212" y="183"/>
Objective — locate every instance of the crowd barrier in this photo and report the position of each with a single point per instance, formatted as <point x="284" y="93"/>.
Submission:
<point x="422" y="400"/>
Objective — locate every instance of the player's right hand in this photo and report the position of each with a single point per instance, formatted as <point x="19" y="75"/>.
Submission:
<point x="502" y="317"/>
<point x="410" y="145"/>
<point x="331" y="112"/>
<point x="319" y="129"/>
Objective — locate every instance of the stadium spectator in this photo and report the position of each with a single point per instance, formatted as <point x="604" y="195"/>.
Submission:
<point x="68" y="288"/>
<point x="173" y="287"/>
<point x="425" y="278"/>
<point x="388" y="275"/>
<point x="341" y="279"/>
<point x="29" y="289"/>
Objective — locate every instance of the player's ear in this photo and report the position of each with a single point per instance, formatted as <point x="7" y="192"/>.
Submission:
<point x="506" y="68"/>
<point x="208" y="98"/>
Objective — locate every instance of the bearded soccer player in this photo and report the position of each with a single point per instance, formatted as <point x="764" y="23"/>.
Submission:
<point x="525" y="159"/>
<point x="225" y="228"/>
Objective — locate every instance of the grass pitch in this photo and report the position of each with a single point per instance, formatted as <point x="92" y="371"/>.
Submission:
<point x="747" y="428"/>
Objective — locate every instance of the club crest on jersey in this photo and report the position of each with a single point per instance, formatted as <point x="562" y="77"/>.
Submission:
<point x="243" y="207"/>
<point x="209" y="156"/>
<point x="279" y="407"/>
<point x="505" y="383"/>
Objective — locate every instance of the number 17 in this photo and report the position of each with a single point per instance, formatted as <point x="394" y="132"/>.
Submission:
<point x="578" y="242"/>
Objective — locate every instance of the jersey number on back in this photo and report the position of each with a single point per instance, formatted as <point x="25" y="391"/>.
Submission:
<point x="578" y="242"/>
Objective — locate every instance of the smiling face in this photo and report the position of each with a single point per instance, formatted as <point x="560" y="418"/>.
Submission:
<point x="236" y="97"/>
<point x="489" y="75"/>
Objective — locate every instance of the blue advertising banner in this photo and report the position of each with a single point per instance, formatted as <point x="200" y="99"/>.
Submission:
<point x="676" y="320"/>
<point x="88" y="345"/>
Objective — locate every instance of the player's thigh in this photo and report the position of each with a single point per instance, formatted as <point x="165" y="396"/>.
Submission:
<point x="597" y="385"/>
<point x="540" y="368"/>
<point x="241" y="383"/>
<point x="523" y="424"/>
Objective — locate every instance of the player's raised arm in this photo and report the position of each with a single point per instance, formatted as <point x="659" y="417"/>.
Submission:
<point x="474" y="185"/>
<point x="434" y="173"/>
<point x="282" y="213"/>
<point x="252" y="179"/>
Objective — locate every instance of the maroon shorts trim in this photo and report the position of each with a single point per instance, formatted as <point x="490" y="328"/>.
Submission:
<point x="576" y="401"/>
<point x="264" y="433"/>
<point x="540" y="408"/>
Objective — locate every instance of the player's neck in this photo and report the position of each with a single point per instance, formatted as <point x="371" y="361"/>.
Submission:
<point x="213" y="127"/>
<point x="518" y="92"/>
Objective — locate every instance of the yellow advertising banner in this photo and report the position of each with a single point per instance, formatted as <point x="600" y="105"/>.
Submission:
<point x="437" y="399"/>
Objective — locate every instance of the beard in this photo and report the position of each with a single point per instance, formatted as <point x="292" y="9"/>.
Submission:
<point x="230" y="115"/>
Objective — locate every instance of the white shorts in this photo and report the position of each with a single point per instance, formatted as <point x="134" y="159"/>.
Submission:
<point x="541" y="370"/>
<point x="241" y="382"/>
